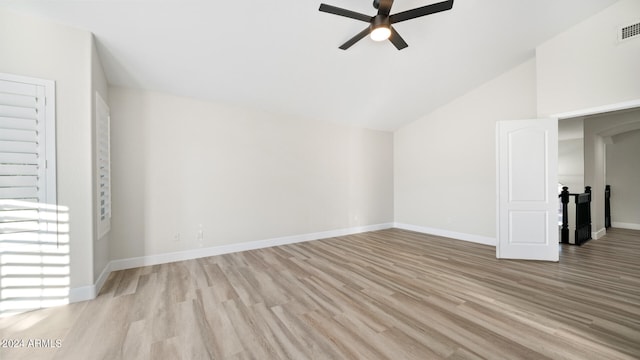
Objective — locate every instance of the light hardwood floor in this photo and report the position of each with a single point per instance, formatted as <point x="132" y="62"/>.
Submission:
<point x="389" y="294"/>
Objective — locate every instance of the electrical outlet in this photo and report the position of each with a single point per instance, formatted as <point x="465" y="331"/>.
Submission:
<point x="200" y="236"/>
<point x="176" y="237"/>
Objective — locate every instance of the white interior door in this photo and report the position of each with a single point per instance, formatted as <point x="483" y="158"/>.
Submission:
<point x="527" y="164"/>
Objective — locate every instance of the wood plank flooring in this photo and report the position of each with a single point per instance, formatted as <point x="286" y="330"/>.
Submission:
<point x="389" y="294"/>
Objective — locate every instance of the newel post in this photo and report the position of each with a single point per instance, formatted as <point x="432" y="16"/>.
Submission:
<point x="607" y="206"/>
<point x="587" y="189"/>
<point x="564" y="198"/>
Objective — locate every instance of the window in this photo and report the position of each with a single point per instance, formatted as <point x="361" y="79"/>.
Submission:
<point x="103" y="161"/>
<point x="34" y="242"/>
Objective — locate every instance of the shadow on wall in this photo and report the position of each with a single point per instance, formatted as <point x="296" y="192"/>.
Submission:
<point x="34" y="256"/>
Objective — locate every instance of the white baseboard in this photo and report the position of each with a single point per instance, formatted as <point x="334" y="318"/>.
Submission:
<point x="595" y="235"/>
<point x="82" y="293"/>
<point x="231" y="248"/>
<point x="103" y="278"/>
<point x="90" y="292"/>
<point x="485" y="240"/>
<point x="621" y="225"/>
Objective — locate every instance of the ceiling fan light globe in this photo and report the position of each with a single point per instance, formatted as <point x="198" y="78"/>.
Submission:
<point x="381" y="33"/>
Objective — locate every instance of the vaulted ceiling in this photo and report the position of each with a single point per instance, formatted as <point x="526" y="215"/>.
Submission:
<point x="282" y="56"/>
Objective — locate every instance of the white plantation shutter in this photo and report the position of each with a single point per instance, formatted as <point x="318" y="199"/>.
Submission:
<point x="27" y="159"/>
<point x="103" y="154"/>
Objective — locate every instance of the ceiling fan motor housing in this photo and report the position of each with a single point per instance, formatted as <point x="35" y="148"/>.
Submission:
<point x="380" y="21"/>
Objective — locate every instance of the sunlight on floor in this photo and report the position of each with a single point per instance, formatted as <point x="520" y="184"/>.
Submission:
<point x="34" y="256"/>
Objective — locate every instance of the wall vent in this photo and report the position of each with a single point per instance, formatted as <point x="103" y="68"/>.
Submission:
<point x="629" y="32"/>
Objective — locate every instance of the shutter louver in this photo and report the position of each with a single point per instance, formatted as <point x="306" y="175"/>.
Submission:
<point x="22" y="167"/>
<point x="103" y="149"/>
<point x="103" y="160"/>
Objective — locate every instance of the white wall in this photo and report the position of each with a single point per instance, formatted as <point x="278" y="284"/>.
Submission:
<point x="445" y="165"/>
<point x="37" y="48"/>
<point x="571" y="154"/>
<point x="243" y="175"/>
<point x="586" y="67"/>
<point x="623" y="174"/>
<point x="98" y="84"/>
<point x="449" y="153"/>
<point x="571" y="164"/>
<point x="596" y="131"/>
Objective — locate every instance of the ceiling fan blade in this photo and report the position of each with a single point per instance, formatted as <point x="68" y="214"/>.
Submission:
<point x="355" y="39"/>
<point x="397" y="40"/>
<point x="384" y="7"/>
<point x="421" y="11"/>
<point x="344" y="12"/>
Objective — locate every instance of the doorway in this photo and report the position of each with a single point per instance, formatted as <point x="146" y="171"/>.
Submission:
<point x="607" y="134"/>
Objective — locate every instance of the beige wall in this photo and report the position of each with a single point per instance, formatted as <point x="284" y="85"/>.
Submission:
<point x="445" y="162"/>
<point x="586" y="66"/>
<point x="571" y="164"/>
<point x="598" y="131"/>
<point x="181" y="165"/>
<point x="449" y="154"/>
<point x="623" y="174"/>
<point x="37" y="48"/>
<point x="571" y="154"/>
<point x="98" y="85"/>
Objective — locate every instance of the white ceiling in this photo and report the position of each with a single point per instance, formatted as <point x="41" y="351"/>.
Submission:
<point x="282" y="56"/>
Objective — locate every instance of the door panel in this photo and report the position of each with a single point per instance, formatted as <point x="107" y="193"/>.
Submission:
<point x="527" y="227"/>
<point x="527" y="168"/>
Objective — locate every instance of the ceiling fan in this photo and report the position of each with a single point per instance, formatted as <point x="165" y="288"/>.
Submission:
<point x="380" y="28"/>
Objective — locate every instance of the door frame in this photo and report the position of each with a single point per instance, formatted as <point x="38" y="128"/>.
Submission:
<point x="598" y="110"/>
